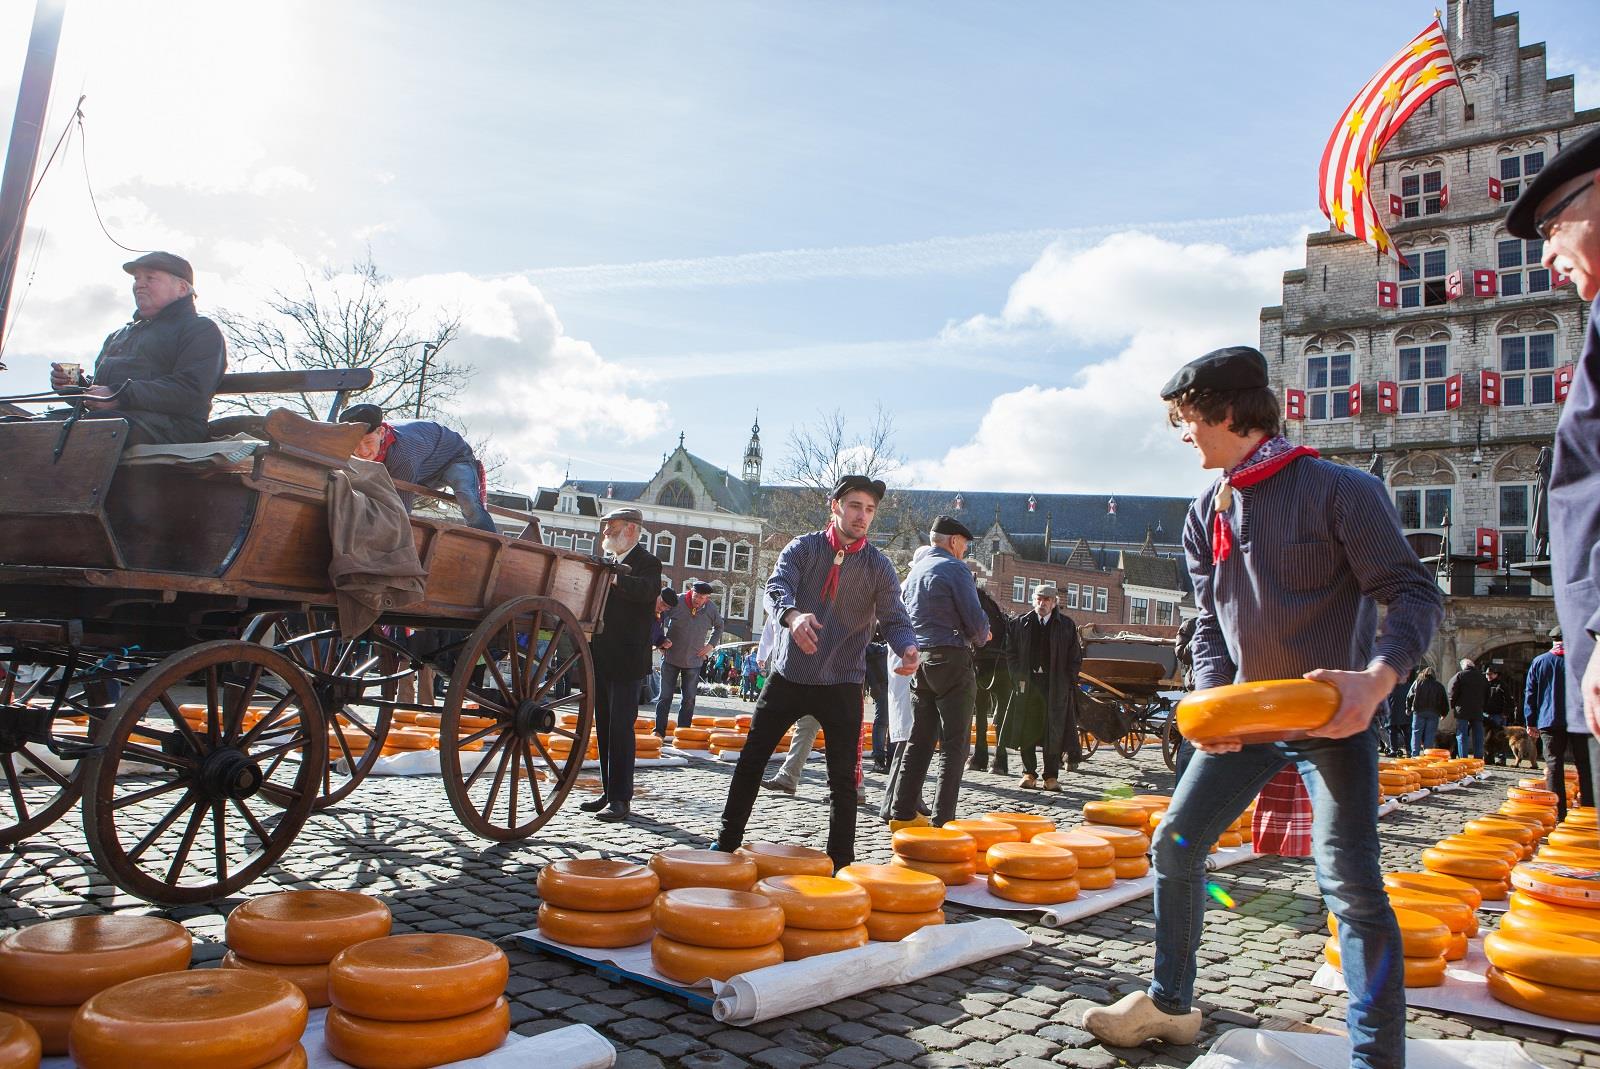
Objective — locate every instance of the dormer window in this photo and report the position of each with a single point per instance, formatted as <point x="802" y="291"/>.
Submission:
<point x="567" y="503"/>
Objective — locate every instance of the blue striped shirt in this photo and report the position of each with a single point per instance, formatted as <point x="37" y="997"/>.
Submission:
<point x="869" y="593"/>
<point x="1318" y="547"/>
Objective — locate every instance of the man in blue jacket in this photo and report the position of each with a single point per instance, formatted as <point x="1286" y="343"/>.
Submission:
<point x="425" y="454"/>
<point x="1545" y="707"/>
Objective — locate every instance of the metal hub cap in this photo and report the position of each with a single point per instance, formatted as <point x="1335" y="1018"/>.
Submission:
<point x="230" y="773"/>
<point x="533" y="718"/>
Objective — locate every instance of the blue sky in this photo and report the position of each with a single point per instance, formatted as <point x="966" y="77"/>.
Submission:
<point x="1004" y="223"/>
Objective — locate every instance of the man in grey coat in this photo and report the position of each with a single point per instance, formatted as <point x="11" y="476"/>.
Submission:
<point x="689" y="630"/>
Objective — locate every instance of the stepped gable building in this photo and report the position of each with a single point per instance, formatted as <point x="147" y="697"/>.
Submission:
<point x="1448" y="374"/>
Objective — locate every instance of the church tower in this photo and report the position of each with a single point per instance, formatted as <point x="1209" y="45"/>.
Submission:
<point x="752" y="457"/>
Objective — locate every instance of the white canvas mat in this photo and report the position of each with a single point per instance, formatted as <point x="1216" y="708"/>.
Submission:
<point x="426" y="763"/>
<point x="1251" y="1048"/>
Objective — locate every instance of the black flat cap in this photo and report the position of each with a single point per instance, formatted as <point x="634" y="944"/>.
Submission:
<point x="1580" y="157"/>
<point x="703" y="587"/>
<point x="370" y="415"/>
<point x="162" y="261"/>
<point x="851" y="483"/>
<point x="669" y="596"/>
<point x="626" y="514"/>
<point x="1238" y="367"/>
<point x="949" y="525"/>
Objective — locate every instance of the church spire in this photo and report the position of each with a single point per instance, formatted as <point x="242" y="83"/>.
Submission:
<point x="752" y="455"/>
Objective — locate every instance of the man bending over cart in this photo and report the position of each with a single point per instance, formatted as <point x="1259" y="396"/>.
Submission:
<point x="427" y="454"/>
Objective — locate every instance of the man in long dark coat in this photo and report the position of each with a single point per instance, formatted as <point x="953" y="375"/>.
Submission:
<point x="1046" y="657"/>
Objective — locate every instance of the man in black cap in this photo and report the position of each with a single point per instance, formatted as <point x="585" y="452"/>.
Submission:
<point x="163" y="367"/>
<point x="1562" y="207"/>
<point x="689" y="631"/>
<point x="1046" y="656"/>
<point x="1290" y="556"/>
<point x="426" y="454"/>
<point x="941" y="598"/>
<point x="621" y="651"/>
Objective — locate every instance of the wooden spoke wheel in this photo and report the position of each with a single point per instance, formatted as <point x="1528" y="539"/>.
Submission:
<point x="1090" y="743"/>
<point x="180" y="809"/>
<point x="1130" y="743"/>
<point x="526" y="665"/>
<point x="355" y="681"/>
<point x="1170" y="738"/>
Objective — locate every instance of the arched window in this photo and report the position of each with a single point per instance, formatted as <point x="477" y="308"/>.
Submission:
<point x="741" y="556"/>
<point x="694" y="552"/>
<point x="666" y="546"/>
<point x="719" y="555"/>
<point x="676" y="494"/>
<point x="739" y="602"/>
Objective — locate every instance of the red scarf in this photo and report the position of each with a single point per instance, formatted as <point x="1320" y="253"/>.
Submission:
<point x="1559" y="649"/>
<point x="383" y="446"/>
<point x="1265" y="461"/>
<point x="840" y="551"/>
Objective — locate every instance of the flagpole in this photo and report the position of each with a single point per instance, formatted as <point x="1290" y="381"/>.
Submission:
<point x="1445" y="36"/>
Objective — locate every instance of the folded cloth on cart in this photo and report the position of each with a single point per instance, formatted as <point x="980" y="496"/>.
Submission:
<point x="1253" y="1048"/>
<point x="221" y="454"/>
<point x="374" y="567"/>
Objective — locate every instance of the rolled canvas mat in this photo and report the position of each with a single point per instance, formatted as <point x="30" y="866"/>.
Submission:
<point x="1252" y="1048"/>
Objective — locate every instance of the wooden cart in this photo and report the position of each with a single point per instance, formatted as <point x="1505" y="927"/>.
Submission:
<point x="1124" y="677"/>
<point x="170" y="656"/>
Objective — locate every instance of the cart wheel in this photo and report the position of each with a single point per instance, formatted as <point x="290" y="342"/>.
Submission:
<point x="1090" y="743"/>
<point x="347" y="675"/>
<point x="1169" y="741"/>
<point x="1129" y="744"/>
<point x="179" y="812"/>
<point x="525" y="665"/>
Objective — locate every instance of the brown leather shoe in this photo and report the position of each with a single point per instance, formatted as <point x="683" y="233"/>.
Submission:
<point x="1029" y="782"/>
<point x="1050" y="784"/>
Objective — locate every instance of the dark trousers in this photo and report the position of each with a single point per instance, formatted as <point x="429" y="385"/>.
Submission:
<point x="1399" y="733"/>
<point x="984" y="709"/>
<point x="1560" y="746"/>
<point x="837" y="707"/>
<point x="880" y="721"/>
<point x="616" y="704"/>
<point x="942" y="694"/>
<point x="672" y="677"/>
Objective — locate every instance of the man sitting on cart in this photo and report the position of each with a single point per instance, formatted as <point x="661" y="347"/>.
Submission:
<point x="427" y="454"/>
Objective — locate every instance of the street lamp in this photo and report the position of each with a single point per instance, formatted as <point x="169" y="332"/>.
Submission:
<point x="428" y="349"/>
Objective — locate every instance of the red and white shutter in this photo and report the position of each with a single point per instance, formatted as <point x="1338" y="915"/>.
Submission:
<point x="1395" y="205"/>
<point x="1444" y="198"/>
<point x="1355" y="399"/>
<point x="1485" y="283"/>
<point x="1496" y="192"/>
<point x="1452" y="391"/>
<point x="1558" y="279"/>
<point x="1294" y="404"/>
<point x="1564" y="380"/>
<point x="1388" y="294"/>
<point x="1388" y="397"/>
<point x="1455" y="285"/>
<point x="1488" y="543"/>
<point x="1489" y="388"/>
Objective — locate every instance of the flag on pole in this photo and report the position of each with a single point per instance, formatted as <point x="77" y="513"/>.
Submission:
<point x="1417" y="71"/>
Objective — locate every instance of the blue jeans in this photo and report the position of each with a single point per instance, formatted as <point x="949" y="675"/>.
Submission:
<point x="1469" y="729"/>
<point x="672" y="677"/>
<point x="1423" y="728"/>
<point x="462" y="478"/>
<point x="1341" y="775"/>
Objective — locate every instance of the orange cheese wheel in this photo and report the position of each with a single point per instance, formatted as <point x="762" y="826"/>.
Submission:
<point x="809" y="942"/>
<point x="417" y="977"/>
<point x="52" y="1023"/>
<point x="1131" y="868"/>
<point x="408" y="738"/>
<point x="1546" y="817"/>
<point x="1152" y="802"/>
<point x="1562" y="1003"/>
<point x="1534" y="795"/>
<point x="1547" y="958"/>
<point x="1093" y="851"/>
<point x="717" y="917"/>
<point x="683" y="867"/>
<point x="950" y="873"/>
<point x="1483" y="844"/>
<point x="726" y="740"/>
<point x="304" y="927"/>
<point x="597" y="884"/>
<point x="934" y="844"/>
<point x="593" y="928"/>
<point x="1125" y="842"/>
<point x="726" y="722"/>
<point x="1453" y="913"/>
<point x="1560" y="884"/>
<point x="189" y="1020"/>
<point x="312" y="980"/>
<point x="692" y="734"/>
<point x="64" y="962"/>
<point x="1116" y="813"/>
<point x="1419" y="972"/>
<point x="1097" y="879"/>
<point x="896" y="889"/>
<point x="818" y="903"/>
<point x="1576" y="838"/>
<point x="1535" y="923"/>
<point x="1582" y="817"/>
<point x="1264" y="711"/>
<point x="1032" y="861"/>
<point x="1572" y="857"/>
<point x="19" y="1043"/>
<point x="886" y="927"/>
<point x="1393" y="777"/>
<point x="1434" y="883"/>
<point x="1458" y="947"/>
<point x="1033" y="892"/>
<point x="1228" y="840"/>
<point x="690" y="964"/>
<point x="371" y="1043"/>
<point x="1536" y="823"/>
<point x="1516" y="831"/>
<point x="985" y="833"/>
<point x="1421" y="935"/>
<point x="1027" y="824"/>
<point x="786" y="859"/>
<point x="1463" y="864"/>
<point x="295" y="1059"/>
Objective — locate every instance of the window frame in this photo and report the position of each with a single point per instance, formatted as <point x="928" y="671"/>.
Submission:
<point x="745" y="549"/>
<point x="672" y="547"/>
<point x="1332" y="395"/>
<point x="711" y="555"/>
<point x="1422" y="202"/>
<point x="1526" y="276"/>
<point x="1101" y="597"/>
<point x="1426" y="386"/>
<point x="689" y="551"/>
<point x="1019" y="589"/>
<point x="1138" y="610"/>
<point x="1420" y="281"/>
<point x="1511" y="185"/>
<point x="1422" y="509"/>
<point x="1528" y="381"/>
<point x="1509" y="532"/>
<point x="738" y="602"/>
<point x="1072" y="596"/>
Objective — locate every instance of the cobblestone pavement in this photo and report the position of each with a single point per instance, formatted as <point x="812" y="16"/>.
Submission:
<point x="398" y="839"/>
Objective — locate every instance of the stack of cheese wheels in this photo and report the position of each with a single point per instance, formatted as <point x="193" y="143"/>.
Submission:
<point x="1027" y="824"/>
<point x="49" y="969"/>
<point x="1527" y="807"/>
<point x="821" y="914"/>
<point x="417" y="1000"/>
<point x="711" y="933"/>
<point x="707" y="722"/>
<point x="903" y="900"/>
<point x="560" y="746"/>
<point x="985" y="833"/>
<point x="404" y="738"/>
<point x="1131" y="847"/>
<point x="1494" y="825"/>
<point x="1266" y="711"/>
<point x="1424" y="941"/>
<point x="1096" y="856"/>
<point x="683" y="867"/>
<point x="1477" y="861"/>
<point x="1545" y="956"/>
<point x="191" y="1020"/>
<point x="1033" y="872"/>
<point x="1454" y="914"/>
<point x="595" y="902"/>
<point x="19" y="1043"/>
<point x="786" y="859"/>
<point x="646" y="725"/>
<point x="1395" y="780"/>
<point x="1433" y="883"/>
<point x="726" y="741"/>
<point x="692" y="738"/>
<point x="646" y="745"/>
<point x="295" y="934"/>
<point x="943" y="852"/>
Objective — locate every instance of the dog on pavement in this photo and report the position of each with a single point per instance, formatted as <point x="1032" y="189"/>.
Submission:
<point x="1517" y="743"/>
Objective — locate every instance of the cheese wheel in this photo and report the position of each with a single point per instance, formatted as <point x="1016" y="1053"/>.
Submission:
<point x="373" y="1044"/>
<point x="1131" y="868"/>
<point x="1546" y="817"/>
<point x="1116" y="812"/>
<point x="1534" y="795"/>
<point x="1582" y="816"/>
<point x="726" y="740"/>
<point x="985" y="833"/>
<point x="1572" y="857"/>
<point x="295" y="1059"/>
<point x="1228" y="840"/>
<point x="1421" y="935"/>
<point x="1393" y="777"/>
<point x="304" y="927"/>
<point x="689" y="744"/>
<point x="1483" y="844"/>
<point x="950" y="873"/>
<point x="886" y="927"/>
<point x="692" y="734"/>
<point x="818" y="903"/>
<point x="934" y="844"/>
<point x="1548" y="957"/>
<point x="1419" y="972"/>
<point x="717" y="917"/>
<point x="1516" y="831"/>
<point x="1034" y="892"/>
<point x="1093" y="851"/>
<point x="809" y="942"/>
<point x="1549" y="1000"/>
<point x="1491" y="890"/>
<point x="1535" y="923"/>
<point x="1560" y="884"/>
<point x="312" y="980"/>
<point x="594" y="928"/>
<point x="1097" y="879"/>
<point x="1460" y="863"/>
<point x="408" y="738"/>
<point x="785" y="859"/>
<point x="1032" y="861"/>
<point x="597" y="884"/>
<point x="19" y="1043"/>
<point x="1576" y="838"/>
<point x="1457" y="948"/>
<point x="1152" y="802"/>
<point x="189" y="1020"/>
<point x="690" y="964"/>
<point x="896" y="889"/>
<point x="1434" y="883"/>
<point x="1125" y="842"/>
<point x="52" y="1023"/>
<point x="418" y="977"/>
<point x="64" y="962"/>
<point x="1027" y="824"/>
<point x="1265" y="711"/>
<point x="1453" y="913"/>
<point x="683" y="867"/>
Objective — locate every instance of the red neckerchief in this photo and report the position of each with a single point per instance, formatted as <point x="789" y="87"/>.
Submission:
<point x="1559" y="649"/>
<point x="1265" y="461"/>
<point x="840" y="551"/>
<point x="383" y="446"/>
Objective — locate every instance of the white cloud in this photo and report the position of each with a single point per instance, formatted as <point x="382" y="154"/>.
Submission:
<point x="1585" y="79"/>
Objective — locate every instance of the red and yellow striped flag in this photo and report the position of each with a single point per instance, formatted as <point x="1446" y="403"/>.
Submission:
<point x="1417" y="71"/>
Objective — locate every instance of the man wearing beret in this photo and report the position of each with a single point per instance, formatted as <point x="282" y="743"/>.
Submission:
<point x="1562" y="207"/>
<point x="426" y="454"/>
<point x="163" y="367"/>
<point x="1290" y="556"/>
<point x="689" y="631"/>
<point x="941" y="598"/>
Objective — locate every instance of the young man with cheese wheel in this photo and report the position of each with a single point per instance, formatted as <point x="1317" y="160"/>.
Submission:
<point x="1290" y="556"/>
